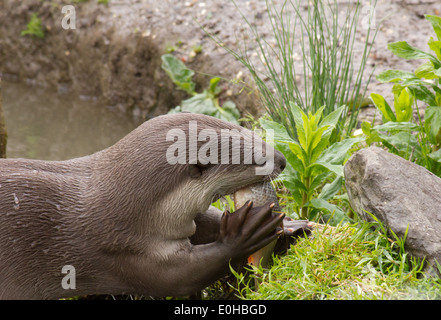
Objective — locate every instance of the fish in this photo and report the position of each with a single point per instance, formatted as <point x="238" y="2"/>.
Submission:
<point x="260" y="194"/>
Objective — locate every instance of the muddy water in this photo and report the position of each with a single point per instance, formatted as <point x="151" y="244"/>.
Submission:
<point x="50" y="126"/>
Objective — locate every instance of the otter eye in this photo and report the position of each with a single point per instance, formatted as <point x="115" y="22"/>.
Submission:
<point x="196" y="170"/>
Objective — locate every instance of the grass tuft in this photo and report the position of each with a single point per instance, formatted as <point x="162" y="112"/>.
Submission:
<point x="343" y="262"/>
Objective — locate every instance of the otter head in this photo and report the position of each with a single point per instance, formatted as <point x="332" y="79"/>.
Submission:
<point x="215" y="158"/>
<point x="187" y="161"/>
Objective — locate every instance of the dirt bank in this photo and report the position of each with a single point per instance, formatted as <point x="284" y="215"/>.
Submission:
<point x="114" y="52"/>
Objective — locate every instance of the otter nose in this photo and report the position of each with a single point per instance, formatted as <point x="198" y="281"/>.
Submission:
<point x="280" y="161"/>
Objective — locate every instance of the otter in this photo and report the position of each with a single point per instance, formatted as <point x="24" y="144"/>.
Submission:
<point x="127" y="220"/>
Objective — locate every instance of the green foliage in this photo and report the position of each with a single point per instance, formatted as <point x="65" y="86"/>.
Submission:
<point x="403" y="102"/>
<point x="343" y="262"/>
<point x="313" y="163"/>
<point x="424" y="82"/>
<point x="207" y="101"/>
<point x="326" y="40"/>
<point x="178" y="73"/>
<point x="411" y="140"/>
<point x="34" y="27"/>
<point x="402" y="135"/>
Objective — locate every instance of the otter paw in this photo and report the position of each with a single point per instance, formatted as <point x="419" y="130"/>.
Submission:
<point x="248" y="229"/>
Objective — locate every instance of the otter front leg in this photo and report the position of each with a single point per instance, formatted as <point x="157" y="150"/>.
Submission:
<point x="240" y="234"/>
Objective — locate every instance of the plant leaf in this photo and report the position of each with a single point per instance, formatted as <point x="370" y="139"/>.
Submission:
<point x="397" y="126"/>
<point x="403" y="106"/>
<point x="178" y="73"/>
<point x="432" y="124"/>
<point x="298" y="119"/>
<point x="337" y="169"/>
<point x="330" y="122"/>
<point x="331" y="119"/>
<point x="404" y="142"/>
<point x="319" y="179"/>
<point x="384" y="107"/>
<point x="227" y="112"/>
<point x="321" y="146"/>
<point x="336" y="214"/>
<point x="371" y="135"/>
<point x="435" y="156"/>
<point x="317" y="136"/>
<point x="213" y="88"/>
<point x="426" y="71"/>
<point x="394" y="76"/>
<point x="438" y="96"/>
<point x="34" y="27"/>
<point x="308" y="127"/>
<point x="230" y="106"/>
<point x="298" y="152"/>
<point x="331" y="189"/>
<point x="199" y="103"/>
<point x="435" y="46"/>
<point x="294" y="164"/>
<point x="404" y="50"/>
<point x="292" y="182"/>
<point x="337" y="153"/>
<point x="366" y="127"/>
<point x="436" y="24"/>
<point x="423" y="94"/>
<point x="280" y="133"/>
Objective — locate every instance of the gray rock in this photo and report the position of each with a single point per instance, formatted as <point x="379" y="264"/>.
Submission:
<point x="400" y="194"/>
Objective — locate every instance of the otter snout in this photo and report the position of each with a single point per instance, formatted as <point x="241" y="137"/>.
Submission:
<point x="273" y="162"/>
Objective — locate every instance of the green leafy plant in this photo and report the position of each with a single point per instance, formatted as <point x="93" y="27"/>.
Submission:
<point x="206" y="102"/>
<point x="408" y="139"/>
<point x="34" y="27"/>
<point x="314" y="171"/>
<point x="326" y="38"/>
<point x="412" y="139"/>
<point x="424" y="82"/>
<point x="323" y="83"/>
